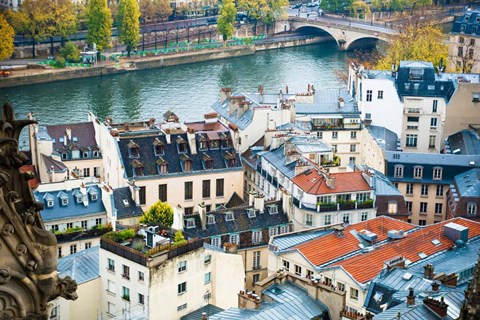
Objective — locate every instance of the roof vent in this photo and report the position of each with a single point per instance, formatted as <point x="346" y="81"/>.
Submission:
<point x="407" y="276"/>
<point x="126" y="203"/>
<point x="455" y="232"/>
<point x="368" y="235"/>
<point x="396" y="234"/>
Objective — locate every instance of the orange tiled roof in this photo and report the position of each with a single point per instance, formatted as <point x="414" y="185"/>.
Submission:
<point x="365" y="266"/>
<point x="314" y="183"/>
<point x="327" y="248"/>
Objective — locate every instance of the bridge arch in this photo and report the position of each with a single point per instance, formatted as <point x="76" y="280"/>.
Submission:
<point x="316" y="30"/>
<point x="365" y="42"/>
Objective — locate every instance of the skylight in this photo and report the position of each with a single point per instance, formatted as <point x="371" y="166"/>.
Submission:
<point x="422" y="255"/>
<point x="436" y="242"/>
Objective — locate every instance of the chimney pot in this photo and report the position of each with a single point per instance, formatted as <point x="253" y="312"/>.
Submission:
<point x="410" y="297"/>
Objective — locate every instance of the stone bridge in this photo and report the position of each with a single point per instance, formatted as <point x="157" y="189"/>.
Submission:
<point x="347" y="34"/>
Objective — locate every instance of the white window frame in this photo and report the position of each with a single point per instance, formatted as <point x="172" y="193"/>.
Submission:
<point x="272" y="231"/>
<point x="216" y="241"/>
<point x="437" y="173"/>
<point x="471" y="209"/>
<point x="418" y="172"/>
<point x="234" y="238"/>
<point x="309" y="219"/>
<point x="182" y="266"/>
<point x="398" y="171"/>
<point x="182" y="288"/>
<point x="257" y="236"/>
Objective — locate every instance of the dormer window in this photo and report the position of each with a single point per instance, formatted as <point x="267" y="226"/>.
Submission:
<point x="78" y="196"/>
<point x="273" y="209"/>
<point x="137" y="168"/>
<point x="186" y="163"/>
<point x="210" y="219"/>
<point x="190" y="223"/>
<point x="85" y="154"/>
<point x="392" y="207"/>
<point x="48" y="200"/>
<point x="133" y="149"/>
<point x="159" y="147"/>
<point x="398" y="171"/>
<point x="229" y="216"/>
<point x="207" y="161"/>
<point x="64" y="201"/>
<point x="418" y="172"/>
<point x="214" y="144"/>
<point x="416" y="74"/>
<point x="182" y="145"/>
<point x="226" y="143"/>
<point x="64" y="156"/>
<point x="230" y="159"/>
<point x="162" y="165"/>
<point x="63" y="198"/>
<point x="251" y="213"/>
<point x="95" y="153"/>
<point x="93" y="194"/>
<point x="203" y="144"/>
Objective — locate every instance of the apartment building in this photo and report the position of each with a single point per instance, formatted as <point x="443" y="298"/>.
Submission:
<point x="244" y="230"/>
<point x="349" y="258"/>
<point x="464" y="43"/>
<point x="463" y="196"/>
<point x="140" y="279"/>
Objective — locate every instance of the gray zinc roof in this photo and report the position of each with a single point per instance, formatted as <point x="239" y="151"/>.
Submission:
<point x="468" y="183"/>
<point x="464" y="142"/>
<point x="287" y="241"/>
<point x="277" y="159"/>
<point x="308" y="145"/>
<point x="81" y="266"/>
<point x="385" y="138"/>
<point x="432" y="158"/>
<point x="326" y="102"/>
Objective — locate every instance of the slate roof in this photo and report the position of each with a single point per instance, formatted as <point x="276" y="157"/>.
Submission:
<point x="83" y="134"/>
<point x="468" y="24"/>
<point x="72" y="209"/>
<point x="325" y="249"/>
<point x="209" y="310"/>
<point x="235" y="201"/>
<point x="288" y="302"/>
<point x="468" y="183"/>
<point x="427" y="86"/>
<point x="465" y="141"/>
<point x="385" y="138"/>
<point x="241" y="222"/>
<point x="310" y="144"/>
<point x="49" y="162"/>
<point x="147" y="158"/>
<point x="366" y="266"/>
<point x="124" y="210"/>
<point x="82" y="266"/>
<point x="313" y="182"/>
<point x="326" y="102"/>
<point x="278" y="160"/>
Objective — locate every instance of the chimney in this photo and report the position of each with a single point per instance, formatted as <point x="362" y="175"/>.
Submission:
<point x="301" y="167"/>
<point x="410" y="297"/>
<point x="251" y="198"/>
<point x="204" y="316"/>
<point x="428" y="271"/>
<point x="192" y="142"/>
<point x="259" y="202"/>
<point x="243" y="107"/>
<point x="211" y="117"/>
<point x="168" y="137"/>
<point x="233" y="103"/>
<point x="260" y="92"/>
<point x="202" y="210"/>
<point x="68" y="132"/>
<point x="286" y="202"/>
<point x="368" y="316"/>
<point x="52" y="170"/>
<point x="225" y="93"/>
<point x="435" y="286"/>
<point x="450" y="280"/>
<point x="330" y="180"/>
<point x="437" y="307"/>
<point x="248" y="300"/>
<point x="136" y="194"/>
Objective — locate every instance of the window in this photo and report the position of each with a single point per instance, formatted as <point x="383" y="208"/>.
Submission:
<point x="190" y="223"/>
<point x="392" y="207"/>
<point x="229" y="216"/>
<point x="111" y="265"/>
<point x="207" y="259"/>
<point x="412" y="119"/>
<point x="111" y="308"/>
<point x="251" y="213"/>
<point x="182" y="288"/>
<point x="422" y="222"/>
<point x="433" y="123"/>
<point x="423" y="207"/>
<point x="69" y="225"/>
<point x="380" y="94"/>
<point x="424" y="190"/>
<point x="84" y="224"/>
<point x="351" y="161"/>
<point x="298" y="270"/>
<point x="88" y="245"/>
<point x="142" y="195"/>
<point x="98" y="221"/>
<point x="364" y="216"/>
<point x="162" y="192"/>
<point x="309" y="274"/>
<point x="411" y="140"/>
<point x="308" y="219"/>
<point x="461" y="40"/>
<point x="353" y="294"/>
<point x="327" y="219"/>
<point x="141" y="299"/>
<point x="319" y="135"/>
<point x="234" y="238"/>
<point x="398" y="171"/>
<point x="334" y="148"/>
<point x="125" y="293"/>
<point x="219" y="188"/>
<point x="141" y="276"/>
<point x="341" y="286"/>
<point x="368" y="116"/>
<point x="334" y="134"/>
<point x="439" y="191"/>
<point x="369" y="95"/>
<point x="188" y="190"/>
<point x="409" y="205"/>
<point x="59" y="252"/>
<point x="255" y="278"/>
<point x="471" y="209"/>
<point x="54" y="228"/>
<point x="182" y="307"/>
<point x="437" y="173"/>
<point x="206" y="189"/>
<point x="346" y="218"/>
<point x="418" y="172"/>
<point x="257" y="236"/>
<point x="438" y="208"/>
<point x="353" y="135"/>
<point x="73" y="248"/>
<point x="111" y="286"/>
<point x="472" y="41"/>
<point x="435" y="106"/>
<point x="272" y="231"/>
<point x="471" y="53"/>
<point x="416" y="74"/>
<point x="284" y="229"/>
<point x="431" y="141"/>
<point x="126" y="272"/>
<point x="256" y="260"/>
<point x="49" y="203"/>
<point x="182" y="266"/>
<point x="216" y="241"/>
<point x="460" y="52"/>
<point x="286" y="264"/>
<point x="210" y="219"/>
<point x="207" y="278"/>
<point x="86" y="172"/>
<point x="353" y="148"/>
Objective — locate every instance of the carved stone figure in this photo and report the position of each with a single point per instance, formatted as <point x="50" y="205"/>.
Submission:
<point x="28" y="252"/>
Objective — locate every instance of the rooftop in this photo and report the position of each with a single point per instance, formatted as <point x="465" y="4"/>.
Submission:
<point x="82" y="266"/>
<point x="82" y="134"/>
<point x="385" y="138"/>
<point x="468" y="183"/>
<point x="326" y="102"/>
<point x="124" y="204"/>
<point x="466" y="142"/>
<point x="313" y="182"/>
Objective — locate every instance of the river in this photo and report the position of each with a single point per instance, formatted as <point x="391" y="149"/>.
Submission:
<point x="187" y="90"/>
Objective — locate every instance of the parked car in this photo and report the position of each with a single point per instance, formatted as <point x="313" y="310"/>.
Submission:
<point x="212" y="20"/>
<point x="312" y="4"/>
<point x="297" y="6"/>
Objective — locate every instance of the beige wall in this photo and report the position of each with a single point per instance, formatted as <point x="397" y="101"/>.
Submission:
<point x="455" y="62"/>
<point x="66" y="250"/>
<point x="247" y="260"/>
<point x="85" y="307"/>
<point x="372" y="154"/>
<point x="461" y="111"/>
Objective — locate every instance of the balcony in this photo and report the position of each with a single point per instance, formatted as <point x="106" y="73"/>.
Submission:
<point x="331" y="163"/>
<point x="334" y="206"/>
<point x="354" y="315"/>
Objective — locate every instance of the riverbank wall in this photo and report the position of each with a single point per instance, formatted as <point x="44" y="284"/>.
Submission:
<point x="135" y="64"/>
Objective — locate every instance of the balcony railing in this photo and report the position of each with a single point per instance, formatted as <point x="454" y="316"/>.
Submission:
<point x="334" y="206"/>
